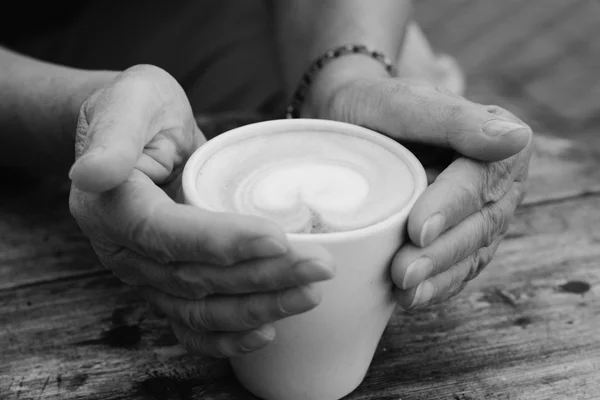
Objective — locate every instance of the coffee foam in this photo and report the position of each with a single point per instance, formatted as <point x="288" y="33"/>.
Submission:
<point x="308" y="182"/>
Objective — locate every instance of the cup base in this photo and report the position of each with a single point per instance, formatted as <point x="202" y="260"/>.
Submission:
<point x="284" y="391"/>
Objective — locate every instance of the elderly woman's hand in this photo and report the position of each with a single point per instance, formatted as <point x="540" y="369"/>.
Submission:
<point x="457" y="223"/>
<point x="220" y="278"/>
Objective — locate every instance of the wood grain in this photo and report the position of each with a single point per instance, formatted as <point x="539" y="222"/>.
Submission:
<point x="39" y="241"/>
<point x="519" y="331"/>
<point x="527" y="328"/>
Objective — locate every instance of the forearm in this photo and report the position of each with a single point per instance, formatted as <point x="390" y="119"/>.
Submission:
<point x="308" y="28"/>
<point x="39" y="104"/>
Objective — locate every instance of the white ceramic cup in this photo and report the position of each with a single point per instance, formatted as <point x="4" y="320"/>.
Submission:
<point x="324" y="353"/>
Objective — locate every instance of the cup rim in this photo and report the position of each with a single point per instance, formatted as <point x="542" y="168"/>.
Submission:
<point x="191" y="169"/>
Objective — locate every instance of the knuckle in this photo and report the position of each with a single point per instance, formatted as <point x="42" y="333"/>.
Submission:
<point x="221" y="251"/>
<point x="521" y="189"/>
<point x="147" y="71"/>
<point x="249" y="312"/>
<point x="81" y="133"/>
<point x="494" y="220"/>
<point x="226" y="258"/>
<point x="344" y="102"/>
<point x="339" y="104"/>
<point x="473" y="266"/>
<point x="86" y="111"/>
<point x="468" y="193"/>
<point x="108" y="254"/>
<point x="496" y="180"/>
<point x="138" y="79"/>
<point x="456" y="279"/>
<point x="487" y="253"/>
<point x="479" y="261"/>
<point x="178" y="275"/>
<point x="182" y="277"/>
<point x="454" y="292"/>
<point x="124" y="267"/>
<point x="107" y="257"/>
<point x="260" y="277"/>
<point x="503" y="229"/>
<point x="197" y="315"/>
<point x="196" y="342"/>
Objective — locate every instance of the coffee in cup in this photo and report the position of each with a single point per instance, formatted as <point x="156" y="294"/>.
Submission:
<point x="307" y="181"/>
<point x="339" y="185"/>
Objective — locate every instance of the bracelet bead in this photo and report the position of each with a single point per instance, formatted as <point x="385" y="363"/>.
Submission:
<point x="299" y="95"/>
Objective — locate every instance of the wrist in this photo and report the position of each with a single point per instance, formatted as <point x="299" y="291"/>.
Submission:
<point x="334" y="78"/>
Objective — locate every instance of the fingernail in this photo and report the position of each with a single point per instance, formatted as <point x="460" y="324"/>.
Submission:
<point x="423" y="294"/>
<point x="257" y="338"/>
<point x="263" y="247"/>
<point x="295" y="301"/>
<point x="432" y="228"/>
<point x="315" y="270"/>
<point x="417" y="272"/>
<point x="498" y="127"/>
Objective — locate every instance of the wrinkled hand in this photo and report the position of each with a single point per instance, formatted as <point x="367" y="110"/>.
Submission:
<point x="221" y="279"/>
<point x="457" y="223"/>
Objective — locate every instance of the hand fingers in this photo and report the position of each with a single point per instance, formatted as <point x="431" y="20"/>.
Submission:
<point x="460" y="190"/>
<point x="140" y="216"/>
<point x="421" y="113"/>
<point x="222" y="344"/>
<point x="449" y="283"/>
<point x="116" y="123"/>
<point x="298" y="267"/>
<point x="412" y="265"/>
<point x="235" y="313"/>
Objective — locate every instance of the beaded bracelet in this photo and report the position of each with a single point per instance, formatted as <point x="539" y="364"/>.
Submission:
<point x="330" y="55"/>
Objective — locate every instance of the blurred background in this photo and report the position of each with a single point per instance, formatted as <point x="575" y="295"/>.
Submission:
<point x="539" y="59"/>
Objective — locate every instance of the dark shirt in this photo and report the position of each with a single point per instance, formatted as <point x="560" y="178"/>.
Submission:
<point x="22" y="20"/>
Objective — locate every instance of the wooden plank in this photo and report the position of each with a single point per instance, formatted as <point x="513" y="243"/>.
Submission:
<point x="38" y="238"/>
<point x="525" y="329"/>
<point x="71" y="331"/>
<point x="563" y="168"/>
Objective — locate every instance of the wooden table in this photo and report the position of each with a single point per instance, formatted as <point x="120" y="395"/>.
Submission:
<point x="527" y="328"/>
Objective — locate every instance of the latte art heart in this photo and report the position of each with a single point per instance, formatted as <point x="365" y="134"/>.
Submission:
<point x="308" y="182"/>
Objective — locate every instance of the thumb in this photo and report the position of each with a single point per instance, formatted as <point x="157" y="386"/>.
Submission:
<point x="113" y="127"/>
<point x="422" y="113"/>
